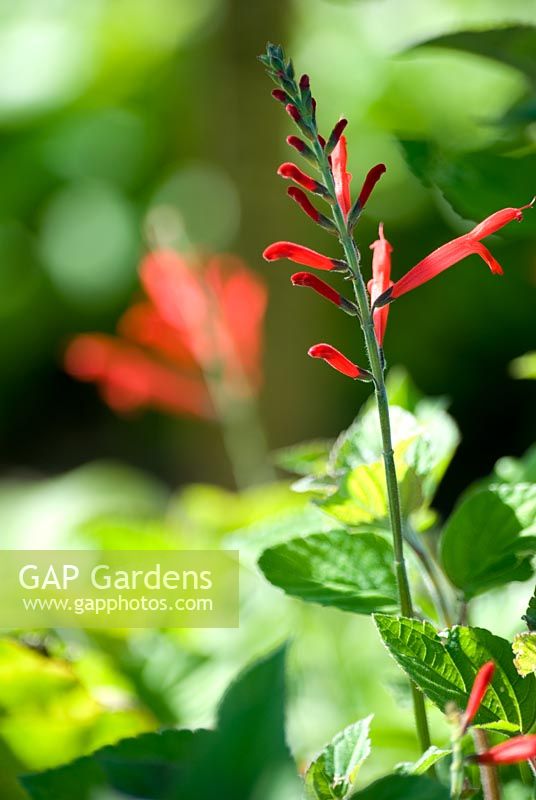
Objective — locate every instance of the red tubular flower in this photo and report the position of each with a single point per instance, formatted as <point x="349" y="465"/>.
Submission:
<point x="341" y="177"/>
<point x="381" y="280"/>
<point x="480" y="687"/>
<point x="200" y="320"/>
<point x="373" y="176"/>
<point x="520" y="748"/>
<point x="338" y="361"/>
<point x="324" y="289"/>
<point x="303" y="201"/>
<point x="318" y="285"/>
<point x="303" y="255"/>
<point x="450" y="253"/>
<point x="294" y="173"/>
<point x="143" y="325"/>
<point x="304" y="82"/>
<point x="130" y="380"/>
<point x="305" y="204"/>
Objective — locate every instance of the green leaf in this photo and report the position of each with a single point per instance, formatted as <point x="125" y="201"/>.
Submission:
<point x="444" y="668"/>
<point x="484" y="542"/>
<point x="353" y="572"/>
<point x="524" y="647"/>
<point x="530" y="615"/>
<point x="309" y="458"/>
<point x="361" y="496"/>
<point x="476" y="183"/>
<point x="334" y="772"/>
<point x="424" y="443"/>
<point x="239" y="759"/>
<point x="403" y="787"/>
<point x="285" y="526"/>
<point x="427" y="760"/>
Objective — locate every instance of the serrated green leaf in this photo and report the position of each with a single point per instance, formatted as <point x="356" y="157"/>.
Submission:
<point x="245" y="753"/>
<point x="309" y="458"/>
<point x="353" y="572"/>
<point x="423" y="764"/>
<point x="524" y="647"/>
<point x="334" y="772"/>
<point x="444" y="668"/>
<point x="403" y="787"/>
<point x="484" y="542"/>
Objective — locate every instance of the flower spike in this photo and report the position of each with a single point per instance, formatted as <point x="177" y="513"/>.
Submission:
<point x="303" y="255"/>
<point x="303" y="201"/>
<point x="325" y="290"/>
<point x="338" y="361"/>
<point x="341" y="177"/>
<point x="381" y="280"/>
<point x="520" y="748"/>
<point x="454" y="251"/>
<point x="293" y="173"/>
<point x="478" y="692"/>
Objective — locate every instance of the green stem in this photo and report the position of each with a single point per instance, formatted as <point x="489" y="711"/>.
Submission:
<point x="376" y="367"/>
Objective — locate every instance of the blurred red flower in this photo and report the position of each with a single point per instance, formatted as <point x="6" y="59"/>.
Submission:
<point x="200" y="326"/>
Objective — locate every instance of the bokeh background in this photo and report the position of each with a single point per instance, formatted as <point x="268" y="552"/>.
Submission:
<point x="110" y="111"/>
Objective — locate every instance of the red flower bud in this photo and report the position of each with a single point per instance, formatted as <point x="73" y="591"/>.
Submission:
<point x="304" y="83"/>
<point x="325" y="290"/>
<point x="293" y="112"/>
<point x="303" y="201"/>
<point x="303" y="255"/>
<point x="373" y="176"/>
<point x="318" y="285"/>
<point x="280" y="95"/>
<point x="293" y="173"/>
<point x="335" y="135"/>
<point x="297" y="143"/>
<point x="480" y="687"/>
<point x="520" y="748"/>
<point x="303" y="149"/>
<point x="338" y="361"/>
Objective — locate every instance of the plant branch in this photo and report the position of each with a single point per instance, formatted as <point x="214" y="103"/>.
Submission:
<point x="376" y="366"/>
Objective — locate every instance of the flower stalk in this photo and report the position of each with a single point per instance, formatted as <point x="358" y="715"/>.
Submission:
<point x="330" y="160"/>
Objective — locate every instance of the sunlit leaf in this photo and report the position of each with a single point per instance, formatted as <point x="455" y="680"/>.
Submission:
<point x="353" y="572"/>
<point x="444" y="668"/>
<point x="486" y="543"/>
<point x="334" y="772"/>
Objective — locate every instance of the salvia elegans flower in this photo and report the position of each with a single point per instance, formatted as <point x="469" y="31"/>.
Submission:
<point x="197" y="322"/>
<point x="454" y="251"/>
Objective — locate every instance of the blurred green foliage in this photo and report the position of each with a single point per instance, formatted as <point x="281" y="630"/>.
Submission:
<point x="126" y="120"/>
<point x="152" y="120"/>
